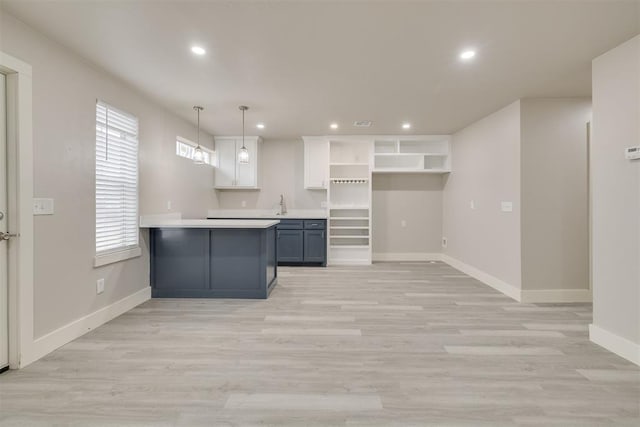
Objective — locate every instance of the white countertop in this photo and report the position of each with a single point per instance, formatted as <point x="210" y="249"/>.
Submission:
<point x="266" y="213"/>
<point x="205" y="223"/>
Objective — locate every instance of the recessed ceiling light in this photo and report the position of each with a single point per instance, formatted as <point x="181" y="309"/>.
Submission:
<point x="260" y="125"/>
<point x="198" y="50"/>
<point x="333" y="126"/>
<point x="406" y="126"/>
<point x="467" y="54"/>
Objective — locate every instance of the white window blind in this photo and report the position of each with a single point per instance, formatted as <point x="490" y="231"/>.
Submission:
<point x="116" y="180"/>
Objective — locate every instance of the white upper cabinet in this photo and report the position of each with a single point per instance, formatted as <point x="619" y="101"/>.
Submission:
<point x="316" y="163"/>
<point x="229" y="173"/>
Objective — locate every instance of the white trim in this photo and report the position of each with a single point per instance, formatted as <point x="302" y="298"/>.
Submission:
<point x="69" y="332"/>
<point x="406" y="256"/>
<point x="497" y="284"/>
<point x="111" y="257"/>
<point x="615" y="343"/>
<point x="20" y="186"/>
<point x="556" y="295"/>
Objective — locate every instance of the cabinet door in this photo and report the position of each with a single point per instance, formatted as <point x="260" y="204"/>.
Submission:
<point x="225" y="174"/>
<point x="316" y="164"/>
<point x="314" y="245"/>
<point x="247" y="174"/>
<point x="290" y="246"/>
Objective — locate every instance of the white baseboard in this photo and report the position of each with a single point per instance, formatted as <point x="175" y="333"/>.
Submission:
<point x="615" y="344"/>
<point x="556" y="295"/>
<point x="69" y="332"/>
<point x="487" y="279"/>
<point x="406" y="256"/>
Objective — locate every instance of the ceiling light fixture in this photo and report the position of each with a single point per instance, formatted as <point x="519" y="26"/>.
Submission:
<point x="406" y="125"/>
<point x="198" y="155"/>
<point x="243" y="154"/>
<point x="260" y="125"/>
<point x="467" y="54"/>
<point x="333" y="126"/>
<point x="198" y="50"/>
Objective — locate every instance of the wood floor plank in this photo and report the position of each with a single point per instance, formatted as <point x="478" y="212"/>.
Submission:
<point x="391" y="344"/>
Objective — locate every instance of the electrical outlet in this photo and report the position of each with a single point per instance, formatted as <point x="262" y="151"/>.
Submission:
<point x="169" y="205"/>
<point x="100" y="286"/>
<point x="444" y="242"/>
<point x="472" y="205"/>
<point x="403" y="223"/>
<point x="506" y="206"/>
<point x="244" y="203"/>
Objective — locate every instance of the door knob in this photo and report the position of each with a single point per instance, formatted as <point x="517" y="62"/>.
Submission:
<point x="6" y="236"/>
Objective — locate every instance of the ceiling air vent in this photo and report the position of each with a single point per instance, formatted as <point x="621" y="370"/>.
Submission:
<point x="362" y="123"/>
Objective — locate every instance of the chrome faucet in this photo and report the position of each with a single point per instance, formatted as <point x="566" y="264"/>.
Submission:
<point x="283" y="205"/>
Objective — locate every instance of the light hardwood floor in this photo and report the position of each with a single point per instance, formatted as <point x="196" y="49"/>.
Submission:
<point x="389" y="344"/>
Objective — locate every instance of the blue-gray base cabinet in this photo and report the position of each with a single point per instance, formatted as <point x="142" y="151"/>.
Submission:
<point x="213" y="262"/>
<point x="302" y="242"/>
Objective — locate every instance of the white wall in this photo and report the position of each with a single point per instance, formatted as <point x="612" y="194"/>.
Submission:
<point x="415" y="199"/>
<point x="282" y="172"/>
<point x="65" y="89"/>
<point x="486" y="169"/>
<point x="555" y="229"/>
<point x="616" y="200"/>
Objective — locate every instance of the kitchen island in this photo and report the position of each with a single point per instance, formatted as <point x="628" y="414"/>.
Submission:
<point x="202" y="258"/>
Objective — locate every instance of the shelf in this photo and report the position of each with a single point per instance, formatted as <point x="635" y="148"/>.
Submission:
<point x="335" y="236"/>
<point x="363" y="180"/>
<point x="412" y="154"/>
<point x="341" y="227"/>
<point x="348" y="164"/>
<point x="349" y="246"/>
<point x="354" y="218"/>
<point x="404" y="170"/>
<point x="349" y="207"/>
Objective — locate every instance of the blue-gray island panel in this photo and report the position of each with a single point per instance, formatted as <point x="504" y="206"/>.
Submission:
<point x="213" y="263"/>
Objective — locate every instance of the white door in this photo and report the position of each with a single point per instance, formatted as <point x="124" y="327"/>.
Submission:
<point x="226" y="170"/>
<point x="246" y="176"/>
<point x="4" y="294"/>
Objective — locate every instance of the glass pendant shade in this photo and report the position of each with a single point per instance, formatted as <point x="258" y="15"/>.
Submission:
<point x="198" y="156"/>
<point x="243" y="156"/>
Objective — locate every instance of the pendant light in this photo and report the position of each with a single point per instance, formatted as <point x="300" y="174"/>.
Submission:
<point x="198" y="155"/>
<point x="243" y="154"/>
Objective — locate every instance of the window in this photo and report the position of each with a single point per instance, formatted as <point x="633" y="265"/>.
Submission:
<point x="116" y="185"/>
<point x="186" y="148"/>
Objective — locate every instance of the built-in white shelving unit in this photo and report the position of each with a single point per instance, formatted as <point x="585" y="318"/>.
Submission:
<point x="349" y="201"/>
<point x="412" y="154"/>
<point x="343" y="165"/>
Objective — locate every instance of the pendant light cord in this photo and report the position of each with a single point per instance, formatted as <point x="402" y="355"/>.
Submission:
<point x="243" y="128"/>
<point x="198" y="109"/>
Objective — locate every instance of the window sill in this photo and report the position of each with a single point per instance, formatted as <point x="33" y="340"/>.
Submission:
<point x="112" y="257"/>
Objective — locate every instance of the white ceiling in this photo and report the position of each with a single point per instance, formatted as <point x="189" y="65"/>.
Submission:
<point x="301" y="65"/>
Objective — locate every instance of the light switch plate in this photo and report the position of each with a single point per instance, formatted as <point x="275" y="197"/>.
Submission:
<point x="507" y="206"/>
<point x="42" y="206"/>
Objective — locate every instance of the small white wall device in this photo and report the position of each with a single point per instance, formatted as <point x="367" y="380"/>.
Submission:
<point x="632" y="153"/>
